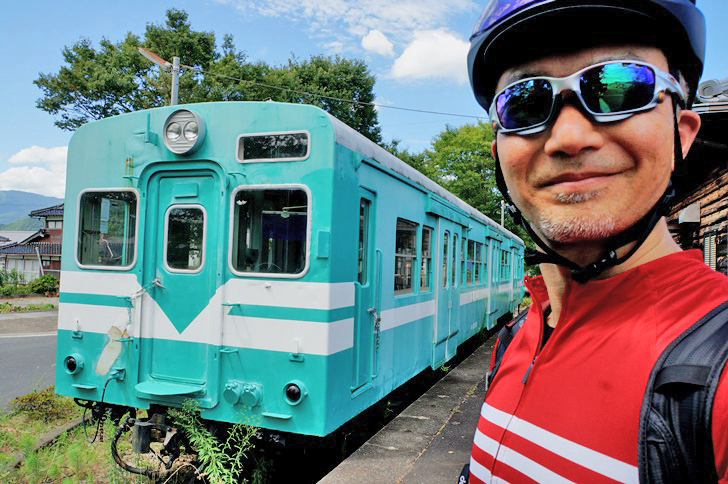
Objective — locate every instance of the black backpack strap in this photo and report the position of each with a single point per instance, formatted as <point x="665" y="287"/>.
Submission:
<point x="675" y="436"/>
<point x="504" y="338"/>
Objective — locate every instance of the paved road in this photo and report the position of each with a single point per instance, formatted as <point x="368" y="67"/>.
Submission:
<point x="27" y="353"/>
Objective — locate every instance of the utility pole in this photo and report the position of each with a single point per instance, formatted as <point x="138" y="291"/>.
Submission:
<point x="503" y="209"/>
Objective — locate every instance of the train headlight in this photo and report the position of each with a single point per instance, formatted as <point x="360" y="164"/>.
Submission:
<point x="184" y="132"/>
<point x="73" y="363"/>
<point x="295" y="392"/>
<point x="192" y="130"/>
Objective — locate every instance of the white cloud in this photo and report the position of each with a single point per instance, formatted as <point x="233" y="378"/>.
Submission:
<point x="395" y="20"/>
<point x="433" y="54"/>
<point x="378" y="43"/>
<point x="45" y="175"/>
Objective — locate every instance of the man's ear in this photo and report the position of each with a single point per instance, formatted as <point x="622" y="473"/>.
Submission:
<point x="493" y="148"/>
<point x="688" y="124"/>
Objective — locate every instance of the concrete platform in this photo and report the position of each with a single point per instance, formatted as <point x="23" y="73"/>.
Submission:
<point x="430" y="441"/>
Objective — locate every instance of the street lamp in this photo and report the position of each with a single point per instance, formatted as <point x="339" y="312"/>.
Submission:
<point x="174" y="66"/>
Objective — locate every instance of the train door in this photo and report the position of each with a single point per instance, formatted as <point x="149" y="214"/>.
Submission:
<point x="446" y="295"/>
<point x="368" y="295"/>
<point x="182" y="271"/>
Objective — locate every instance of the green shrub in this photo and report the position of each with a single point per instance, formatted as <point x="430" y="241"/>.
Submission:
<point x="44" y="284"/>
<point x="43" y="405"/>
<point x="11" y="290"/>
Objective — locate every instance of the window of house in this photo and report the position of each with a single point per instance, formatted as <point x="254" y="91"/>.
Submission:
<point x="107" y="229"/>
<point x="405" y="256"/>
<point x="273" y="147"/>
<point x="270" y="231"/>
<point x="185" y="238"/>
<point x="426" y="265"/>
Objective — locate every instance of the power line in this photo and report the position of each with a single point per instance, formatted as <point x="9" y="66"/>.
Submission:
<point x="349" y="101"/>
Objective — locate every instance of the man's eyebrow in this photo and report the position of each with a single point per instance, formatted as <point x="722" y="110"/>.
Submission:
<point x="518" y="74"/>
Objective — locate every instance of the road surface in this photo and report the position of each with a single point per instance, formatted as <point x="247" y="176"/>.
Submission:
<point x="27" y="353"/>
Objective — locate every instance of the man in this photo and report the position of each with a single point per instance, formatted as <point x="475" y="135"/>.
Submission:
<point x="589" y="102"/>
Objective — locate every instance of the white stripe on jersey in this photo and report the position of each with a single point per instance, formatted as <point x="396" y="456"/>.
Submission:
<point x="577" y="453"/>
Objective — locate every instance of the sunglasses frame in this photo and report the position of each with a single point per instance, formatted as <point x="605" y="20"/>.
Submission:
<point x="663" y="82"/>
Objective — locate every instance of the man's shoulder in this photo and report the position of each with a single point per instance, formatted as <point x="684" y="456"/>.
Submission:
<point x="684" y="274"/>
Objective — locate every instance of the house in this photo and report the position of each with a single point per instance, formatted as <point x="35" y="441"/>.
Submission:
<point x="37" y="253"/>
<point x="699" y="217"/>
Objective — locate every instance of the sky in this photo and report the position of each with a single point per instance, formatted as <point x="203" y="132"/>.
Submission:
<point x="416" y="48"/>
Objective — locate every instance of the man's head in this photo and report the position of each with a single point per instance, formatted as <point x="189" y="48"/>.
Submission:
<point x="595" y="167"/>
<point x="511" y="32"/>
<point x="581" y="180"/>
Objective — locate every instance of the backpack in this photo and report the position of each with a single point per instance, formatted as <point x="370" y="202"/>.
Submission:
<point x="675" y="438"/>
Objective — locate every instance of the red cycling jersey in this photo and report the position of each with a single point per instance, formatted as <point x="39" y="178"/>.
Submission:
<point x="570" y="411"/>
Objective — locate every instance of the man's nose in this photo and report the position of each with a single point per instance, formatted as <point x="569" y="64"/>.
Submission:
<point x="572" y="132"/>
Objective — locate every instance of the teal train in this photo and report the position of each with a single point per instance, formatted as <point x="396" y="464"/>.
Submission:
<point x="267" y="261"/>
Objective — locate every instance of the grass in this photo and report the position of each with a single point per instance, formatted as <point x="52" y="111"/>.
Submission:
<point x="71" y="458"/>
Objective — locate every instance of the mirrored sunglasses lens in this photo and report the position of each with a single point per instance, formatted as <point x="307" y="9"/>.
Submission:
<point x="525" y="104"/>
<point x="614" y="88"/>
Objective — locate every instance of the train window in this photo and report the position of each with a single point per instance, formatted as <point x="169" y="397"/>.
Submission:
<point x="496" y="260"/>
<point x="107" y="229"/>
<point x="484" y="275"/>
<point x="405" y="256"/>
<point x="471" y="262"/>
<point x="185" y="238"/>
<point x="505" y="265"/>
<point x="270" y="231"/>
<point x="478" y="276"/>
<point x="363" y="240"/>
<point x="273" y="146"/>
<point x="454" y="259"/>
<point x="445" y="241"/>
<point x="426" y="266"/>
<point x="463" y="260"/>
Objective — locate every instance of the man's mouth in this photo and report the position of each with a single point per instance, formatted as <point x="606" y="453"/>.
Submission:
<point x="578" y="181"/>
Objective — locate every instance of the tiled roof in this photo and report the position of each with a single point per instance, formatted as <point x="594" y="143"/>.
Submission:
<point x="21" y="249"/>
<point x="56" y="210"/>
<point x="17" y="235"/>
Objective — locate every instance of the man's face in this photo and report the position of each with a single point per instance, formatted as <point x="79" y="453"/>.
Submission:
<point x="580" y="180"/>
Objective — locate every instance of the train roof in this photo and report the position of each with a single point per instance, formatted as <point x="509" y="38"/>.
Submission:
<point x="355" y="141"/>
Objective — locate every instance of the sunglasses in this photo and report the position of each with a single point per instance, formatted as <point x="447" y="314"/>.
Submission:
<point x="608" y="91"/>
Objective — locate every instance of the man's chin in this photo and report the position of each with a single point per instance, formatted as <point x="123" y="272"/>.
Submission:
<point x="575" y="230"/>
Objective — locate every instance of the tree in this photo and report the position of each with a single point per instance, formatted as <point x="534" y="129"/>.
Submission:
<point x="116" y="79"/>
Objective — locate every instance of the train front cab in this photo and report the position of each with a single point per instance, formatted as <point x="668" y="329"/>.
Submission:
<point x="203" y="275"/>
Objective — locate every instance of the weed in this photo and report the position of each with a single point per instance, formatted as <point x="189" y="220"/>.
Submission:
<point x="43" y="405"/>
<point x="219" y="462"/>
<point x="6" y="307"/>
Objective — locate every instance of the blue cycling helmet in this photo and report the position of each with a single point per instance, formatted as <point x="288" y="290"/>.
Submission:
<point x="510" y="32"/>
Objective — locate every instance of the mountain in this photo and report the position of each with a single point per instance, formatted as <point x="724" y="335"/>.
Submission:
<point x="26" y="223"/>
<point x="15" y="205"/>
